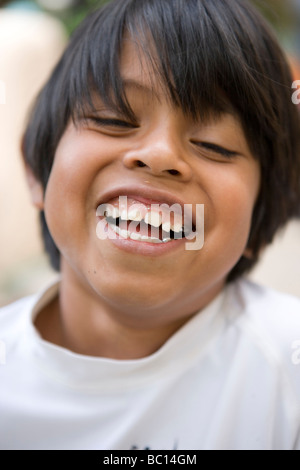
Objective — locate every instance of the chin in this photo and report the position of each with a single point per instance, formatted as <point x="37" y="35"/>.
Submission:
<point x="136" y="296"/>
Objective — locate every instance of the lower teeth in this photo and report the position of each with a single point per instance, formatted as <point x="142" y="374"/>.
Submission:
<point x="136" y="236"/>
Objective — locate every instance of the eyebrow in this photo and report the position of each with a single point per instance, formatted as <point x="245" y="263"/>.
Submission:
<point x="132" y="83"/>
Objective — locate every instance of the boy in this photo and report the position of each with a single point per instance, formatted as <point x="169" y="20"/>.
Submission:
<point x="143" y="342"/>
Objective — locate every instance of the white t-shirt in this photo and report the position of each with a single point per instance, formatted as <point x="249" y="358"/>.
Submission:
<point x="228" y="379"/>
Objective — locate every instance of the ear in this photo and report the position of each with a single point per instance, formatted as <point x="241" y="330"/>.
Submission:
<point x="248" y="253"/>
<point x="35" y="188"/>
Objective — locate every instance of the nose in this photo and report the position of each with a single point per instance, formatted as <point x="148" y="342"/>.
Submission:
<point x="161" y="154"/>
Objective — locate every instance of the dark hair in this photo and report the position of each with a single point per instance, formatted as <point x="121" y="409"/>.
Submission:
<point x="203" y="50"/>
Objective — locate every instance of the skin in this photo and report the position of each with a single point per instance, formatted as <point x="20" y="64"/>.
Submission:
<point x="123" y="305"/>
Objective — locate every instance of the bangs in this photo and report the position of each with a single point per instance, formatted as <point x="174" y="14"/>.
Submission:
<point x="190" y="47"/>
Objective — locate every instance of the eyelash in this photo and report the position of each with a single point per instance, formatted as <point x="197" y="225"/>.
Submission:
<point x="216" y="148"/>
<point x="128" y="125"/>
<point x="112" y="122"/>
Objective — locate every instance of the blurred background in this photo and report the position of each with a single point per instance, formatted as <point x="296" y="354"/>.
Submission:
<point x="33" y="35"/>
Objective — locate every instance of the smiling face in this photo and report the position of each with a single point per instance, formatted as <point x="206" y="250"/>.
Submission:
<point x="162" y="157"/>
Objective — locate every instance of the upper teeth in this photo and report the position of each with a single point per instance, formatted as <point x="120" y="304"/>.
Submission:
<point x="115" y="213"/>
<point x="153" y="218"/>
<point x="138" y="215"/>
<point x="133" y="214"/>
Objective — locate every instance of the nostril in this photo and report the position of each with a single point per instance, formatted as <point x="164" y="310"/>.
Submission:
<point x="173" y="172"/>
<point x="141" y="164"/>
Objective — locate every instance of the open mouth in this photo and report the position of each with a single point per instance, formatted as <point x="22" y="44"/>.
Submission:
<point x="151" y="223"/>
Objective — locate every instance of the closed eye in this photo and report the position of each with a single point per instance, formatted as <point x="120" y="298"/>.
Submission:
<point x="111" y="122"/>
<point x="217" y="149"/>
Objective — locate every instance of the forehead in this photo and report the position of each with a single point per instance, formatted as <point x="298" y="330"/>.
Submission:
<point x="140" y="72"/>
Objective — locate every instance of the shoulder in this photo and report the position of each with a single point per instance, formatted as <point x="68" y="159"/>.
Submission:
<point x="14" y="315"/>
<point x="17" y="320"/>
<point x="270" y="321"/>
<point x="277" y="312"/>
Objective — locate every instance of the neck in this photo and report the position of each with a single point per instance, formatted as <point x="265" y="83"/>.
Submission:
<point x="82" y="321"/>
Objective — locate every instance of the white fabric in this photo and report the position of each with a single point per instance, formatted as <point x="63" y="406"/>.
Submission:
<point x="229" y="379"/>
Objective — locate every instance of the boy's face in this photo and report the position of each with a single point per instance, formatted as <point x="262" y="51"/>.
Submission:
<point x="164" y="157"/>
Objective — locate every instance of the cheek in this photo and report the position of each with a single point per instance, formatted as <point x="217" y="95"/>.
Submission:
<point x="67" y="193"/>
<point x="61" y="209"/>
<point x="233" y="200"/>
<point x="79" y="157"/>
